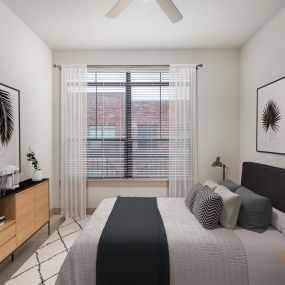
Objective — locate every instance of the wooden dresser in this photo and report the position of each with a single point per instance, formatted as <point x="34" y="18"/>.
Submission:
<point x="27" y="210"/>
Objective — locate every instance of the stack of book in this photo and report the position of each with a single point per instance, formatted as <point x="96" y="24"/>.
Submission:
<point x="2" y="220"/>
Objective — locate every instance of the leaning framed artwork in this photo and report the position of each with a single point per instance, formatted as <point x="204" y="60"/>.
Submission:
<point x="10" y="153"/>
<point x="270" y="119"/>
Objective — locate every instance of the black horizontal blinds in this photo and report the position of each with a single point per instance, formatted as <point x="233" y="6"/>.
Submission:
<point x="106" y="124"/>
<point x="149" y="124"/>
<point x="128" y="123"/>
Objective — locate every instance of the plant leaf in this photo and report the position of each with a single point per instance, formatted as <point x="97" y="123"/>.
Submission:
<point x="6" y="117"/>
<point x="271" y="117"/>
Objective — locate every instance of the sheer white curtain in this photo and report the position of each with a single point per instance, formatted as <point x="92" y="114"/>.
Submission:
<point x="183" y="147"/>
<point x="73" y="140"/>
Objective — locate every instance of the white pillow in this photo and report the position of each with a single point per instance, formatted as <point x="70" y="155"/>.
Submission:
<point x="211" y="184"/>
<point x="278" y="220"/>
<point x="231" y="207"/>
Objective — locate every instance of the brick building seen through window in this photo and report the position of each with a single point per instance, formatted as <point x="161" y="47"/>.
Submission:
<point x="128" y="125"/>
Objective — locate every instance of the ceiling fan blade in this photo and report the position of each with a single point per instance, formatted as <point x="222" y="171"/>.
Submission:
<point x="118" y="8"/>
<point x="170" y="10"/>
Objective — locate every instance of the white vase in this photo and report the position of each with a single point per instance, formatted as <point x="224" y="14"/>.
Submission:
<point x="37" y="175"/>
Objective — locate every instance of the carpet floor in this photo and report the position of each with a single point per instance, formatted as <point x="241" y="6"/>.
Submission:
<point x="43" y="266"/>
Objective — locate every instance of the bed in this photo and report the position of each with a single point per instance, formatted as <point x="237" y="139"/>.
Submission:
<point x="196" y="255"/>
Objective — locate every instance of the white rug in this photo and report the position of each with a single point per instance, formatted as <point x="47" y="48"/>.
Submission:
<point x="43" y="266"/>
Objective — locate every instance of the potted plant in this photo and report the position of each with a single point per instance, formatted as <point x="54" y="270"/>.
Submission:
<point x="37" y="172"/>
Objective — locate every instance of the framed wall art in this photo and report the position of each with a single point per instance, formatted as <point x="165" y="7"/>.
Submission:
<point x="270" y="120"/>
<point x="10" y="153"/>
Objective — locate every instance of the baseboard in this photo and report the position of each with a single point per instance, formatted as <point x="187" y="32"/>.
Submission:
<point x="56" y="211"/>
<point x="90" y="211"/>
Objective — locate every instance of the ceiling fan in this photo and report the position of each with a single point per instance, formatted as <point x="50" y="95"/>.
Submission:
<point x="167" y="6"/>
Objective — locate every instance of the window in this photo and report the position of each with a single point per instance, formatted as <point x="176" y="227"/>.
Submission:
<point x="147" y="135"/>
<point x="127" y="124"/>
<point x="91" y="132"/>
<point x="101" y="132"/>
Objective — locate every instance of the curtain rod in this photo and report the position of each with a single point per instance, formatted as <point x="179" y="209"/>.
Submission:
<point x="57" y="66"/>
<point x="132" y="66"/>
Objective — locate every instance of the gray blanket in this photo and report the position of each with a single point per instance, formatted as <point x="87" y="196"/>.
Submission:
<point x="133" y="246"/>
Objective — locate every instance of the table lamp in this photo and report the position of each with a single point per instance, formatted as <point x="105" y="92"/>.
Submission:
<point x="219" y="163"/>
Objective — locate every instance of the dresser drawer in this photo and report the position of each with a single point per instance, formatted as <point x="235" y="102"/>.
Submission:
<point x="7" y="233"/>
<point x="7" y="248"/>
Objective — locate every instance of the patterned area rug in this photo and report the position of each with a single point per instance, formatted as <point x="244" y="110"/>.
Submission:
<point x="43" y="266"/>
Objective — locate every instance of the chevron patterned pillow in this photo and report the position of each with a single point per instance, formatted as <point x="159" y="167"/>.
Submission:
<point x="191" y="195"/>
<point x="207" y="208"/>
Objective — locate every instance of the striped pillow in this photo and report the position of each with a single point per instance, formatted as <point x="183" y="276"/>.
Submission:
<point x="191" y="195"/>
<point x="207" y="208"/>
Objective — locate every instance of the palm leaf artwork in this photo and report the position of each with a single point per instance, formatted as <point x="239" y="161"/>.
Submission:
<point x="6" y="118"/>
<point x="271" y="117"/>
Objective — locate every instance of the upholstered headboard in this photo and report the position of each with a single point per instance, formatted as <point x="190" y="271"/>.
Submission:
<point x="266" y="181"/>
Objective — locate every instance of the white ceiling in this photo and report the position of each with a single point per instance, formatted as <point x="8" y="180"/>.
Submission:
<point x="80" y="24"/>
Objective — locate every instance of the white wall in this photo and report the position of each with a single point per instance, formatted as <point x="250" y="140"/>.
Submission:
<point x="226" y="122"/>
<point x="262" y="61"/>
<point x="26" y="64"/>
<point x="218" y="107"/>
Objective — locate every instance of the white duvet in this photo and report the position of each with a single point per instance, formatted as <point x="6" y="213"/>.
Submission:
<point x="197" y="256"/>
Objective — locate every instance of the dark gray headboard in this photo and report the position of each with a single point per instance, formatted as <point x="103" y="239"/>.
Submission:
<point x="266" y="181"/>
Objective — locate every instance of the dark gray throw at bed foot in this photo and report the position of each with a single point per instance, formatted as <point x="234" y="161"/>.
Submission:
<point x="133" y="247"/>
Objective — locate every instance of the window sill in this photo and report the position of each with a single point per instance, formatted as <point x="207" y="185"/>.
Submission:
<point x="126" y="179"/>
<point x="132" y="182"/>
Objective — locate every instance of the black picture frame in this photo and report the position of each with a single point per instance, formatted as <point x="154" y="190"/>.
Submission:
<point x="257" y="117"/>
<point x="19" y="116"/>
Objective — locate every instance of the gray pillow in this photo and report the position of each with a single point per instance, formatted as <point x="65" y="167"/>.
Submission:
<point x="230" y="185"/>
<point x="255" y="212"/>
